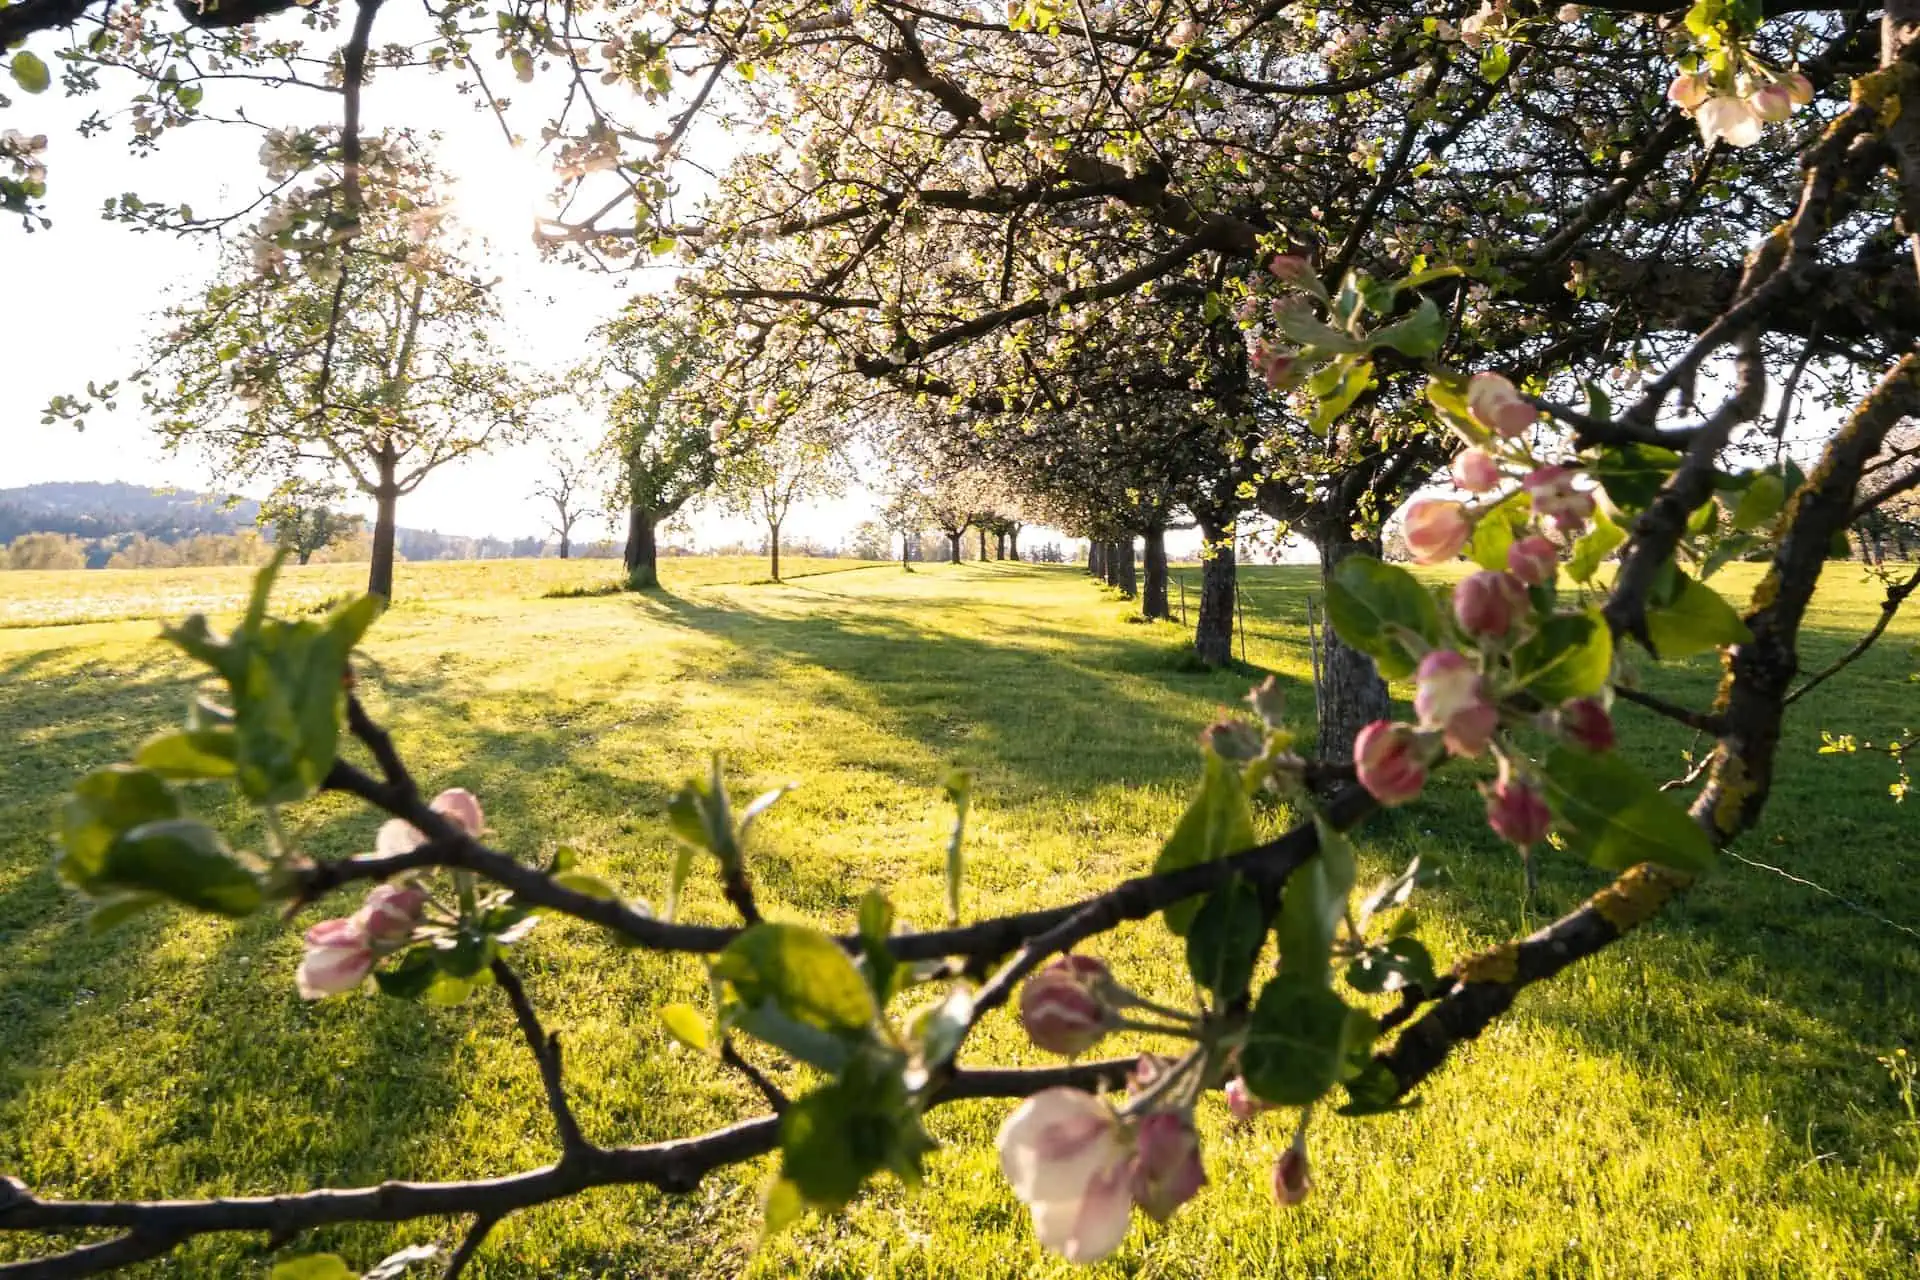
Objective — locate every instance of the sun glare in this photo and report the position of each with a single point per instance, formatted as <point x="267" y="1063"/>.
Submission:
<point x="500" y="192"/>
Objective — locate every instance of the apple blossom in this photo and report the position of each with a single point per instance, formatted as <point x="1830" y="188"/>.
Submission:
<point x="1555" y="498"/>
<point x="1799" y="88"/>
<point x="456" y="804"/>
<point x="338" y="958"/>
<point x="1476" y="470"/>
<point x="1386" y="757"/>
<point x="1586" y="723"/>
<point x="1534" y="560"/>
<point x="1450" y="695"/>
<point x="390" y="913"/>
<point x="1730" y="119"/>
<point x="1771" y="102"/>
<point x="1498" y="406"/>
<point x="1488" y="603"/>
<point x="1687" y="92"/>
<point x="1063" y="1008"/>
<point x="1241" y="1100"/>
<point x="1291" y="1177"/>
<point x="1166" y="1163"/>
<point x="1069" y="1161"/>
<point x="1436" y="530"/>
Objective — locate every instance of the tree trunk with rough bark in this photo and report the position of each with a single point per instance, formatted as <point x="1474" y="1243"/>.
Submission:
<point x="983" y="542"/>
<point x="643" y="553"/>
<point x="1129" y="574"/>
<point x="1352" y="694"/>
<point x="1153" y="601"/>
<point x="773" y="547"/>
<point x="953" y="547"/>
<point x="1013" y="543"/>
<point x="1213" y="632"/>
<point x="1094" y="567"/>
<point x="386" y="498"/>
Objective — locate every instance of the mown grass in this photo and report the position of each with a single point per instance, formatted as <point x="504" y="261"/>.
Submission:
<point x="1703" y="1100"/>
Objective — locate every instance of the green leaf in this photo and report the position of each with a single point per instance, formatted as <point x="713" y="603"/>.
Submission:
<point x="1300" y="326"/>
<point x="1354" y="381"/>
<point x="1374" y="606"/>
<point x="803" y="972"/>
<point x="959" y="788"/>
<point x="118" y="909"/>
<point x="835" y="1138"/>
<point x="876" y="925"/>
<point x="315" y="1266"/>
<point x="102" y="805"/>
<point x="1374" y="1091"/>
<point x="1632" y="474"/>
<point x="30" y="73"/>
<point x="409" y="979"/>
<point x="941" y="1028"/>
<point x="1496" y="531"/>
<point x="1696" y="618"/>
<point x="190" y="755"/>
<point x="1592" y="548"/>
<point x="1419" y="335"/>
<point x="784" y="1206"/>
<point x="1396" y="964"/>
<point x="1614" y="816"/>
<point x="1570" y="656"/>
<point x="447" y="991"/>
<point x="1218" y="821"/>
<point x="1494" y="62"/>
<point x="687" y="1025"/>
<point x="584" y="882"/>
<point x="1296" y="1041"/>
<point x="1447" y="393"/>
<point x="185" y="861"/>
<point x="1225" y="940"/>
<point x="1313" y="904"/>
<point x="819" y="1049"/>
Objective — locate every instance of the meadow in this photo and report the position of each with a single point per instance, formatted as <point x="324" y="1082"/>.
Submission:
<point x="1706" y="1099"/>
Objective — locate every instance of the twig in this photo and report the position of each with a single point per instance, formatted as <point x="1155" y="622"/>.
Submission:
<point x="768" y="1089"/>
<point x="1704" y="721"/>
<point x="546" y="1054"/>
<point x="469" y="1245"/>
<point x="1896" y="596"/>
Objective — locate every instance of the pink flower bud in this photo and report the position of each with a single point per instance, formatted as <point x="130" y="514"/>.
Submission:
<point x="1555" y="498"/>
<point x="1062" y="1007"/>
<point x="1148" y="1068"/>
<point x="1450" y="695"/>
<point x="390" y="913"/>
<point x="1799" y="89"/>
<point x="1585" y="723"/>
<point x="1688" y="92"/>
<point x="1771" y="102"/>
<point x="1166" y="1163"/>
<point x="1240" y="1100"/>
<point x="1291" y="268"/>
<point x="1387" y="758"/>
<point x="1533" y="560"/>
<point x="338" y="959"/>
<point x="459" y="806"/>
<point x="1279" y="366"/>
<point x="1496" y="405"/>
<point x="1436" y="530"/>
<point x="1291" y="1178"/>
<point x="1476" y="471"/>
<point x="1516" y="811"/>
<point x="1488" y="603"/>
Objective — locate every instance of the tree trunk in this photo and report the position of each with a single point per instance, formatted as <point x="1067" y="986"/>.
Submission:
<point x="566" y="545"/>
<point x="773" y="546"/>
<point x="1129" y="577"/>
<point x="305" y="554"/>
<point x="1013" y="543"/>
<point x="1095" y="554"/>
<point x="1352" y="694"/>
<point x="1153" y="604"/>
<point x="1110" y="562"/>
<point x="643" y="555"/>
<point x="983" y="542"/>
<point x="1213" y="633"/>
<point x="386" y="497"/>
<point x="1000" y="546"/>
<point x="906" y="549"/>
<point x="953" y="547"/>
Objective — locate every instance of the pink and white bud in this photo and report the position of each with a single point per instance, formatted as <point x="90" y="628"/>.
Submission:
<point x="1554" y="498"/>
<point x="1450" y="695"/>
<point x="1497" y="405"/>
<point x="1291" y="268"/>
<point x="1728" y="119"/>
<point x="1387" y="758"/>
<point x="1278" y="366"/>
<point x="1586" y="723"/>
<point x="1436" y="530"/>
<point x="1688" y="92"/>
<point x="1476" y="470"/>
<point x="1799" y="88"/>
<point x="397" y="835"/>
<point x="1771" y="102"/>
<point x="460" y="807"/>
<point x="1534" y="560"/>
<point x="1068" y="1160"/>
<point x="1166" y="1163"/>
<point x="1488" y="604"/>
<point x="338" y="959"/>
<point x="1292" y="1179"/>
<point x="1147" y="1069"/>
<point x="390" y="913"/>
<point x="1241" y="1100"/>
<point x="1516" y="811"/>
<point x="1064" y="1007"/>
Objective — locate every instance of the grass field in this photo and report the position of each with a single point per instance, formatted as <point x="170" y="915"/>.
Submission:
<point x="1703" y="1100"/>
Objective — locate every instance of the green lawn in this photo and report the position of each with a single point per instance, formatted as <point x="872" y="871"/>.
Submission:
<point x="1703" y="1100"/>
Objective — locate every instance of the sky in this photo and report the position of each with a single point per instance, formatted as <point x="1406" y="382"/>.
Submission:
<point x="83" y="297"/>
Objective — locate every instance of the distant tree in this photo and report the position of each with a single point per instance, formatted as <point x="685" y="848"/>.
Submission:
<point x="870" y="540"/>
<point x="767" y="475"/>
<point x="566" y="488"/>
<point x="143" y="552"/>
<point x="256" y="372"/>
<point x="46" y="551"/>
<point x="304" y="519"/>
